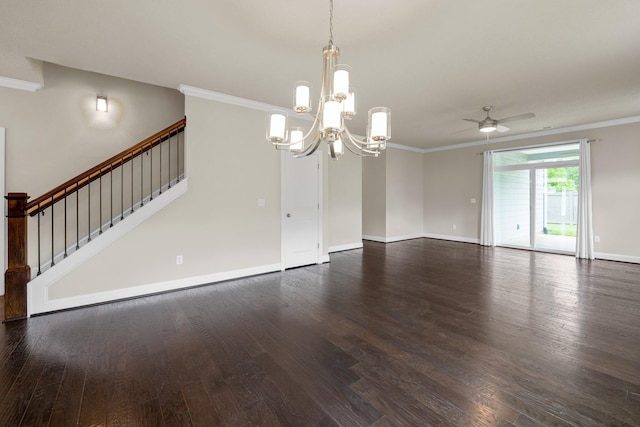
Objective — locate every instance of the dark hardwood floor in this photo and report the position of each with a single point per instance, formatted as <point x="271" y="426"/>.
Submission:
<point x="415" y="333"/>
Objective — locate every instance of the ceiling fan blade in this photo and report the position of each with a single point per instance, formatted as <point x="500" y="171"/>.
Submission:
<point x="473" y="120"/>
<point x="460" y="131"/>
<point x="501" y="128"/>
<point x="518" y="117"/>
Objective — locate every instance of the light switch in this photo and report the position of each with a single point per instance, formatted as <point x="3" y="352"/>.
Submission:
<point x="473" y="200"/>
<point x="261" y="203"/>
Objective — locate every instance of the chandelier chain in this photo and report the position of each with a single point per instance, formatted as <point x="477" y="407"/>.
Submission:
<point x="330" y="22"/>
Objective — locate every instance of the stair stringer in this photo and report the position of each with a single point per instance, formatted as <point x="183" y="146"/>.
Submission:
<point x="38" y="288"/>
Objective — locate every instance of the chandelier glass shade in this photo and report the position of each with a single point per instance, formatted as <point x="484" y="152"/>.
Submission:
<point x="337" y="103"/>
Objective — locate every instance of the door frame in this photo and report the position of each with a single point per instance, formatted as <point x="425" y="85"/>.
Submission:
<point x="532" y="194"/>
<point x="3" y="229"/>
<point x="285" y="197"/>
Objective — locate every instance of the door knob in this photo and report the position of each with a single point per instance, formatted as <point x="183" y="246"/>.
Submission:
<point x="288" y="215"/>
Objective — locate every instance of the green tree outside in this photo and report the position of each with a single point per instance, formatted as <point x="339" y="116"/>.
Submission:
<point x="557" y="178"/>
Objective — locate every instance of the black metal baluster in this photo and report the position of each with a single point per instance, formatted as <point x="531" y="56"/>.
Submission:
<point x="141" y="177"/>
<point x="89" y="209"/>
<point x="121" y="189"/>
<point x="100" y="202"/>
<point x="151" y="173"/>
<point x="65" y="223"/>
<point x="52" y="249"/>
<point x="160" y="166"/>
<point x="111" y="198"/>
<point x="77" y="217"/>
<point x="131" y="183"/>
<point x="169" y="161"/>
<point x="178" y="157"/>
<point x="39" y="262"/>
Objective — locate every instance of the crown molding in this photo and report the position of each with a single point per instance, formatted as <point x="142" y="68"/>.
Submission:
<point x="20" y="84"/>
<point x="238" y="101"/>
<point x="262" y="106"/>
<point x="577" y="128"/>
<point x="404" y="147"/>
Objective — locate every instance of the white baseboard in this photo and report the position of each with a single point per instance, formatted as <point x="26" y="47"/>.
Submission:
<point x="452" y="238"/>
<point x="405" y="237"/>
<point x="374" y="238"/>
<point x="391" y="239"/>
<point x="45" y="305"/>
<point x="616" y="257"/>
<point x="347" y="247"/>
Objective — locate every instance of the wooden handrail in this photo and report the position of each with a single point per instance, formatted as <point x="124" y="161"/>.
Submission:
<point x="51" y="197"/>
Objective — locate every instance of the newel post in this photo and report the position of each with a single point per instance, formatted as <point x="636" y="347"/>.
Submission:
<point x="18" y="271"/>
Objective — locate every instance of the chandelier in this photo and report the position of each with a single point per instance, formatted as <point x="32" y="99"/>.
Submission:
<point x="337" y="104"/>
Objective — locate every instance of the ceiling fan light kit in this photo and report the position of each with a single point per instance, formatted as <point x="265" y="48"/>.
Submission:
<point x="336" y="104"/>
<point x="488" y="126"/>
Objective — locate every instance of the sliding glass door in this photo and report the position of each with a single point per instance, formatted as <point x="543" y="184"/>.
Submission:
<point x="535" y="198"/>
<point x="556" y="208"/>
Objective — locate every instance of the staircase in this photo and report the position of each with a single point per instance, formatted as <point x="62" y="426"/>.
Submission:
<point x="50" y="228"/>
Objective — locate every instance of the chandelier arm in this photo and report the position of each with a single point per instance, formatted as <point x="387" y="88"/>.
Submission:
<point x="311" y="148"/>
<point x="362" y="145"/>
<point x="353" y="138"/>
<point x="359" y="151"/>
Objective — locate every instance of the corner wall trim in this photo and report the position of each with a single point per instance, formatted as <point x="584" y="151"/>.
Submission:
<point x="20" y="84"/>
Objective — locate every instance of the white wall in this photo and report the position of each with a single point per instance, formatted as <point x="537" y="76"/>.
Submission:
<point x="393" y="195"/>
<point x="404" y="194"/>
<point x="345" y="202"/>
<point x="374" y="197"/>
<point x="451" y="179"/>
<point x="217" y="226"/>
<point x="56" y="133"/>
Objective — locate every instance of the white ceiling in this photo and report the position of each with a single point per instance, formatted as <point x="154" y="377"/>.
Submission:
<point x="432" y="62"/>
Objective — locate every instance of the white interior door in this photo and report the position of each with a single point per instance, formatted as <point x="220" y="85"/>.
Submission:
<point x="300" y="210"/>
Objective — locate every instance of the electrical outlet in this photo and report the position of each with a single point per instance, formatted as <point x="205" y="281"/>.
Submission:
<point x="596" y="239"/>
<point x="473" y="201"/>
<point x="454" y="226"/>
<point x="179" y="259"/>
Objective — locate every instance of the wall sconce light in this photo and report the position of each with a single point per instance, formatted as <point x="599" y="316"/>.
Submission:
<point x="101" y="104"/>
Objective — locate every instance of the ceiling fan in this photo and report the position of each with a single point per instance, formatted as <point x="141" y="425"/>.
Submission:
<point x="489" y="125"/>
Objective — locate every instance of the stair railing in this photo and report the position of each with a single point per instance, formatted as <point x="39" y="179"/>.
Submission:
<point x="72" y="214"/>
